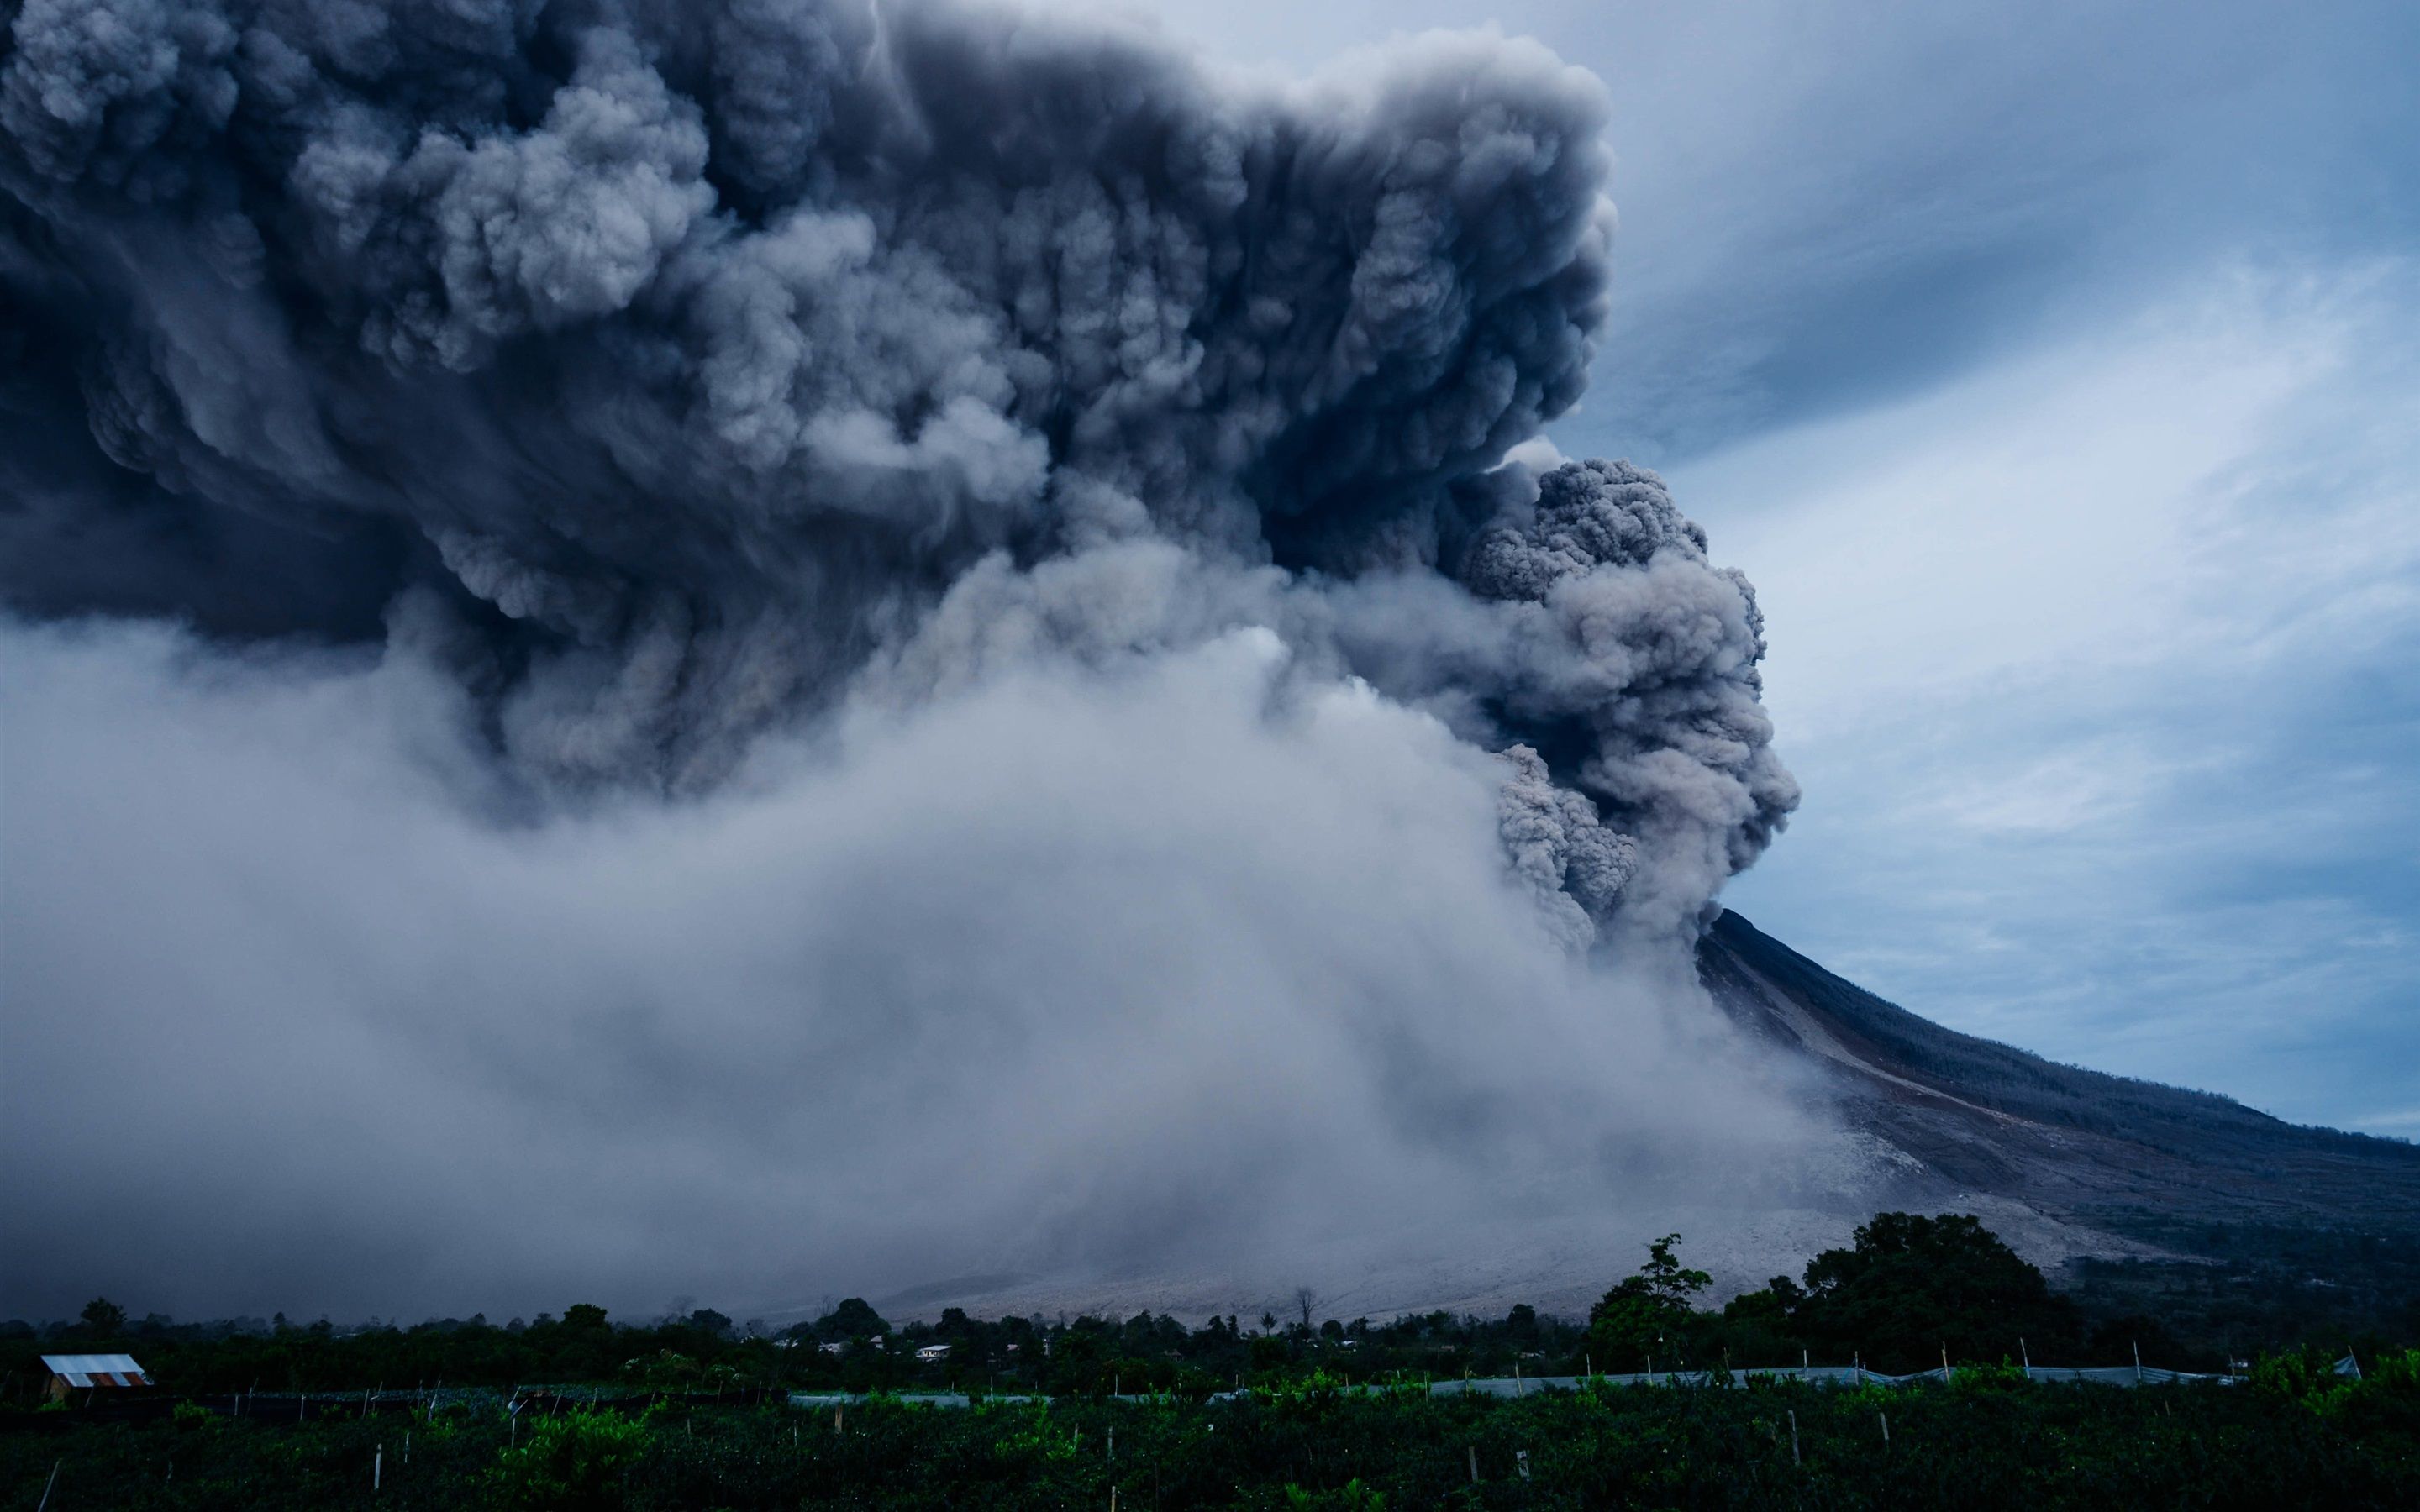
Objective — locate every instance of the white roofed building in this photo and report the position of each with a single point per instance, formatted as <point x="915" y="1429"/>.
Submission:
<point x="79" y="1372"/>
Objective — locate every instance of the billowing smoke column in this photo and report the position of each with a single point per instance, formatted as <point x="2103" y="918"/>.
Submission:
<point x="672" y="372"/>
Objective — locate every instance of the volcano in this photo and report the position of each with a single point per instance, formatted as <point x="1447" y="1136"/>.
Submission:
<point x="2076" y="1162"/>
<point x="2165" y="1189"/>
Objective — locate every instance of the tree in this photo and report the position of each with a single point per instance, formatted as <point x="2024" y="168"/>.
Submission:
<point x="854" y="1318"/>
<point x="1305" y="1299"/>
<point x="104" y="1318"/>
<point x="584" y="1315"/>
<point x="1762" y="1327"/>
<point x="1911" y="1287"/>
<point x="1653" y="1306"/>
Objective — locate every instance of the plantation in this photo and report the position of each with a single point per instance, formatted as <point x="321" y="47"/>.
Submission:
<point x="2294" y="1436"/>
<point x="693" y="1411"/>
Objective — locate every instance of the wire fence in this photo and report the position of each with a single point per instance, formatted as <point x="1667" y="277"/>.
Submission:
<point x="1827" y="1376"/>
<point x="548" y="1399"/>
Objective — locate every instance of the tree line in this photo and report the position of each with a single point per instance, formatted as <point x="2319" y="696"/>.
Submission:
<point x="1908" y="1291"/>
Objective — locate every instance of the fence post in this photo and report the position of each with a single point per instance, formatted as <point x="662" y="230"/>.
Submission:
<point x="1474" y="1464"/>
<point x="48" y="1484"/>
<point x="378" y="1467"/>
<point x="1885" y="1420"/>
<point x="1793" y="1437"/>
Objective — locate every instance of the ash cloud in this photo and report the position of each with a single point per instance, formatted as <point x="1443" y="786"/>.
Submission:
<point x="646" y="415"/>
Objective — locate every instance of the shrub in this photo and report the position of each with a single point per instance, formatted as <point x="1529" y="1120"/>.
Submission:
<point x="578" y="1462"/>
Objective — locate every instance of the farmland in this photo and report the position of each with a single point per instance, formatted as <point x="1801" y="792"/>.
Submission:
<point x="2294" y="1436"/>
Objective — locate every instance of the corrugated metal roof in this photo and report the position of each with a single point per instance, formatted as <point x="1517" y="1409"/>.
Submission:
<point x="97" y="1369"/>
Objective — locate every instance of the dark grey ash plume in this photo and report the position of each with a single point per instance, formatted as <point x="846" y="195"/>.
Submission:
<point x="1644" y="659"/>
<point x="674" y="371"/>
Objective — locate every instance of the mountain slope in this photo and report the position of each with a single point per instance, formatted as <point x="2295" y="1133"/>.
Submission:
<point x="2117" y="1182"/>
<point x="2082" y="1148"/>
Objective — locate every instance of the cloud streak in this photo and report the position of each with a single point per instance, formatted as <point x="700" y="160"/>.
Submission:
<point x="2136" y="798"/>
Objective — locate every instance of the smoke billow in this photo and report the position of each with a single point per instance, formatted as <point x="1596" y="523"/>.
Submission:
<point x="1029" y="553"/>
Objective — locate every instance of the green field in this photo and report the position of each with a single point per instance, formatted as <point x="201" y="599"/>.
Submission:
<point x="2294" y="1437"/>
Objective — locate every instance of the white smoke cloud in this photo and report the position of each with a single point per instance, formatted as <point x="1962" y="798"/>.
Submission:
<point x="1196" y="963"/>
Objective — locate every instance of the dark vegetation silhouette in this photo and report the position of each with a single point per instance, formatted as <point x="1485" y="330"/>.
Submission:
<point x="2299" y="1435"/>
<point x="694" y="1410"/>
<point x="1908" y="1289"/>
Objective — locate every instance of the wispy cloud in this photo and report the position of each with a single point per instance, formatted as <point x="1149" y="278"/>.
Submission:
<point x="2098" y="671"/>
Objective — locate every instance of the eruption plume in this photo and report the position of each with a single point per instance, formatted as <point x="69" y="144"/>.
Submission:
<point x="661" y="391"/>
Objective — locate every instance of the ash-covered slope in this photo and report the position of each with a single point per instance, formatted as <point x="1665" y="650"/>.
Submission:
<point x="1976" y="1119"/>
<point x="2072" y="1166"/>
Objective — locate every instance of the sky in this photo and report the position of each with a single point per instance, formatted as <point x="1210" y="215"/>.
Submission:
<point x="2047" y="369"/>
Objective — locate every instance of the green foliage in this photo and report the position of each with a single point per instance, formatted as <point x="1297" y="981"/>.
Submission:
<point x="2385" y="1402"/>
<point x="2256" y="1287"/>
<point x="2396" y="1374"/>
<point x="2354" y="1443"/>
<point x="577" y="1463"/>
<point x="1028" y="1431"/>
<point x="1317" y="1388"/>
<point x="854" y="1318"/>
<point x="103" y="1318"/>
<point x="1651" y="1309"/>
<point x="1975" y="1379"/>
<point x="2291" y="1377"/>
<point x="1909" y="1290"/>
<point x="1350" y="1497"/>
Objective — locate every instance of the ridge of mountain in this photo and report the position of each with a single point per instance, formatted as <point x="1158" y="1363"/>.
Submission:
<point x="2149" y="1194"/>
<point x="2083" y="1147"/>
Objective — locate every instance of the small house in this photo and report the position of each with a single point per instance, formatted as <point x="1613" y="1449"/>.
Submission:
<point x="930" y="1352"/>
<point x="81" y="1372"/>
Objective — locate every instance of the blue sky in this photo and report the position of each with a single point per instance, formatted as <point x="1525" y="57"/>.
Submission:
<point x="2049" y="367"/>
